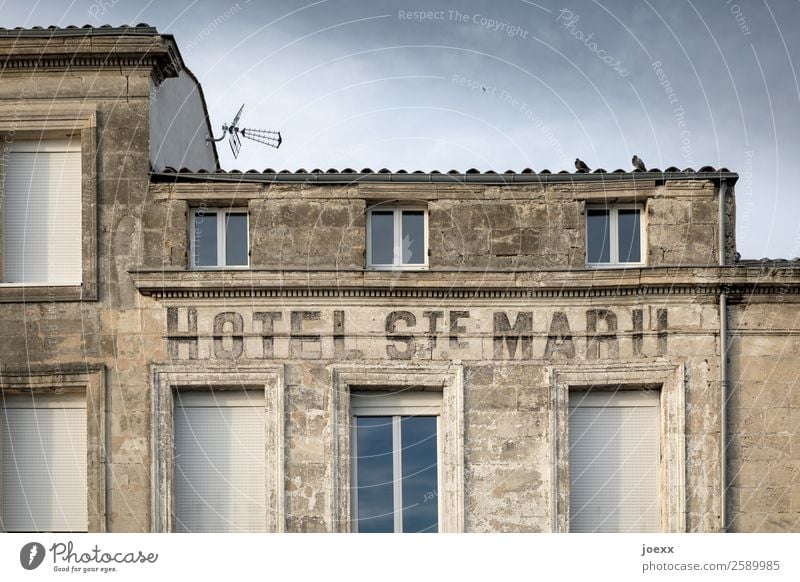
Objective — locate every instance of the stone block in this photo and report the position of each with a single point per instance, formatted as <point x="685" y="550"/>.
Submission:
<point x="496" y="397"/>
<point x="479" y="375"/>
<point x="505" y="242"/>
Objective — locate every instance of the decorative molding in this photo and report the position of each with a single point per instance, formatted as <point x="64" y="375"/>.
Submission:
<point x="73" y="62"/>
<point x="433" y="293"/>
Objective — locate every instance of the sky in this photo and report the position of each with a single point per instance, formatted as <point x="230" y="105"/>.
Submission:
<point x="511" y="84"/>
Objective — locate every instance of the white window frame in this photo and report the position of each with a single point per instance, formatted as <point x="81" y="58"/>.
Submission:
<point x="397" y="262"/>
<point x="222" y="214"/>
<point x="446" y="380"/>
<point x="396" y="405"/>
<point x="613" y="235"/>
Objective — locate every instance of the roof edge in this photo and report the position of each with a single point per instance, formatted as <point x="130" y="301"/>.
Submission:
<point x="434" y="177"/>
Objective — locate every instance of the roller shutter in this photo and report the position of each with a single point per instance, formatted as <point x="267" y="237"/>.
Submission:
<point x="613" y="461"/>
<point x="42" y="213"/>
<point x="220" y="483"/>
<point x="44" y="463"/>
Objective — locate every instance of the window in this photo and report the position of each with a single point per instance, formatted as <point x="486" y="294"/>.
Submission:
<point x="395" y="450"/>
<point x="614" y="461"/>
<point x="219" y="238"/>
<point x="220" y="466"/>
<point x="52" y="449"/>
<point x="48" y="202"/>
<point x="614" y="235"/>
<point x="397" y="238"/>
<point x="218" y="463"/>
<point x="42" y="207"/>
<point x="44" y="463"/>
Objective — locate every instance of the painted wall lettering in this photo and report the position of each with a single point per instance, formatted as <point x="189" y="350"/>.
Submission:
<point x="456" y="329"/>
<point x="411" y="344"/>
<point x="194" y="332"/>
<point x="175" y="337"/>
<point x="433" y="318"/>
<point x="234" y="321"/>
<point x="661" y="326"/>
<point x="595" y="338"/>
<point x="637" y="337"/>
<point x="340" y="350"/>
<point x="307" y="346"/>
<point x="520" y="333"/>
<point x="559" y="338"/>
<point x="267" y="319"/>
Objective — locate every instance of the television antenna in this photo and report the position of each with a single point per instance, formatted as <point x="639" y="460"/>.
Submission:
<point x="233" y="131"/>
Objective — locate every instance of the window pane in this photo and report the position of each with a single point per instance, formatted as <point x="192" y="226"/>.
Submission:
<point x="630" y="246"/>
<point x="236" y="240"/>
<point x="382" y="243"/>
<point x="374" y="487"/>
<point x="205" y="239"/>
<point x="413" y="237"/>
<point x="597" y="234"/>
<point x="420" y="483"/>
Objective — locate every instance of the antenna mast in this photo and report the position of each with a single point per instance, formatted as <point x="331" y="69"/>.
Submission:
<point x="264" y="136"/>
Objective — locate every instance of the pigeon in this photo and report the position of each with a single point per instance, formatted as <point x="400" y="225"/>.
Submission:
<point x="638" y="164"/>
<point x="581" y="166"/>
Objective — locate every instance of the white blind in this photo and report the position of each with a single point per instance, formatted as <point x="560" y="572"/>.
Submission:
<point x="220" y="465"/>
<point x="613" y="465"/>
<point x="44" y="464"/>
<point x="42" y="213"/>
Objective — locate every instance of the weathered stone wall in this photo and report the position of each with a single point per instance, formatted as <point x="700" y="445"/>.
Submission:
<point x="683" y="223"/>
<point x="106" y="331"/>
<point x="507" y="388"/>
<point x="470" y="226"/>
<point x="764" y="415"/>
<point x="509" y="341"/>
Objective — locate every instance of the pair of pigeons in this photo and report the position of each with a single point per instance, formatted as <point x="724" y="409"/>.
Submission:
<point x="637" y="162"/>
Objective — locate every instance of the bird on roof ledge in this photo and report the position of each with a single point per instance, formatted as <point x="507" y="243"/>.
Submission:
<point x="581" y="166"/>
<point x="638" y="163"/>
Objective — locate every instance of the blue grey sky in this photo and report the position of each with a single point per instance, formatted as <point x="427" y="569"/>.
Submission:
<point x="437" y="85"/>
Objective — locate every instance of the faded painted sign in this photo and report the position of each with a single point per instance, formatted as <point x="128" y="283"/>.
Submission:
<point x="409" y="334"/>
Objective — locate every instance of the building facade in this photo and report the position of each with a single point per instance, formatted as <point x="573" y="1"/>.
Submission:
<point x="189" y="349"/>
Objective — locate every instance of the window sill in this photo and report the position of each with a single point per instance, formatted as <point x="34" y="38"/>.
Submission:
<point x="397" y="268"/>
<point x="615" y="265"/>
<point x="223" y="268"/>
<point x="45" y="292"/>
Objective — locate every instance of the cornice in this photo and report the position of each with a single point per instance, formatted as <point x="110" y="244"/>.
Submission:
<point x="784" y="284"/>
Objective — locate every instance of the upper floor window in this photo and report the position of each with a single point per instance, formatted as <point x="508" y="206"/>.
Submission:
<point x="42" y="212"/>
<point x="218" y="238"/>
<point x="397" y="237"/>
<point x="614" y="235"/>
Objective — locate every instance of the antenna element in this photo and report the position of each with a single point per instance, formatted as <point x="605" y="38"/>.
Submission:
<point x="264" y="136"/>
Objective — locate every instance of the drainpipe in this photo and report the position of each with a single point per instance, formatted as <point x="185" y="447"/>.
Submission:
<point x="723" y="367"/>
